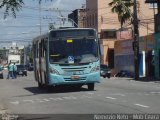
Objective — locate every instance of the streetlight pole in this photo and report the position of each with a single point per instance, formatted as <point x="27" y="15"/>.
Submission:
<point x="136" y="41"/>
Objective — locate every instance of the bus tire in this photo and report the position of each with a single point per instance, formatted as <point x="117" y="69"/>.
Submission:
<point x="91" y="86"/>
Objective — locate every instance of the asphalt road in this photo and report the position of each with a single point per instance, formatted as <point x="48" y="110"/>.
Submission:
<point x="22" y="96"/>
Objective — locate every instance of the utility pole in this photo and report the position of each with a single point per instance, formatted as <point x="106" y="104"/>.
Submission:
<point x="136" y="41"/>
<point x="158" y="5"/>
<point x="40" y="29"/>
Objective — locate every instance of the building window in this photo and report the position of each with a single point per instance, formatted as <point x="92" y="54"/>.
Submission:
<point x="109" y="34"/>
<point x="87" y="21"/>
<point x="90" y="20"/>
<point x="93" y="19"/>
<point x="96" y="19"/>
<point x="153" y="5"/>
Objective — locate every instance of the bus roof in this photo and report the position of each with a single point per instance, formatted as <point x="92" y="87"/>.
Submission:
<point x="60" y="29"/>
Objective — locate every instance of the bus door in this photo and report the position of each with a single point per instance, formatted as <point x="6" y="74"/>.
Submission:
<point x="43" y="61"/>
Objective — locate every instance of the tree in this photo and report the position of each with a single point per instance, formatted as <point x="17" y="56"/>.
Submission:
<point x="122" y="8"/>
<point x="13" y="6"/>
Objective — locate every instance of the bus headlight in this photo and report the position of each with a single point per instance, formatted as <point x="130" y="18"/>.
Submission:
<point x="53" y="71"/>
<point x="95" y="69"/>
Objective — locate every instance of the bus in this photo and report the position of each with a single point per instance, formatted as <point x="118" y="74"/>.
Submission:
<point x="67" y="56"/>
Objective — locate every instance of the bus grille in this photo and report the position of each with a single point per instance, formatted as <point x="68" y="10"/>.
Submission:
<point x="73" y="69"/>
<point x="79" y="79"/>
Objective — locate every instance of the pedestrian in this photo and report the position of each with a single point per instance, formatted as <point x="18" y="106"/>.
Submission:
<point x="10" y="71"/>
<point x="1" y="72"/>
<point x="15" y="71"/>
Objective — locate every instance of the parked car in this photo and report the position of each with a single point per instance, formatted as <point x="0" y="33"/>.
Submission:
<point x="21" y="70"/>
<point x="105" y="71"/>
<point x="125" y="73"/>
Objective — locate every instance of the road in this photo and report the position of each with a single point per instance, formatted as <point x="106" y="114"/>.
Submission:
<point x="22" y="96"/>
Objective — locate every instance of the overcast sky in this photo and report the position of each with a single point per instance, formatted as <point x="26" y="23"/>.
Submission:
<point x="26" y="25"/>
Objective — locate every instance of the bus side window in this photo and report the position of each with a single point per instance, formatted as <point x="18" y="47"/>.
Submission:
<point x="45" y="44"/>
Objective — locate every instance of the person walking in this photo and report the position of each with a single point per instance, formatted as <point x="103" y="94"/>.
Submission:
<point x="1" y="72"/>
<point x="15" y="71"/>
<point x="10" y="71"/>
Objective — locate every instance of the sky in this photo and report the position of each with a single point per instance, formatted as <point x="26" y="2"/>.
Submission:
<point x="26" y="25"/>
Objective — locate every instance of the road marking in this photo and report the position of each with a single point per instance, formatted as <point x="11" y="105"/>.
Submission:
<point x="90" y="93"/>
<point x="68" y="98"/>
<point x="111" y="98"/>
<point x="120" y="94"/>
<point x="58" y="99"/>
<point x="39" y="100"/>
<point x="155" y="92"/>
<point x="28" y="101"/>
<point x="15" y="103"/>
<point x="73" y="97"/>
<point x="46" y="100"/>
<point x="84" y="96"/>
<point x="52" y="98"/>
<point x="142" y="105"/>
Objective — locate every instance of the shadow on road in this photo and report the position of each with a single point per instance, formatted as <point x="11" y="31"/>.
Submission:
<point x="148" y="79"/>
<point x="141" y="79"/>
<point x="57" y="89"/>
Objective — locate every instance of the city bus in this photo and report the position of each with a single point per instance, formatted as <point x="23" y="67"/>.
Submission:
<point x="67" y="56"/>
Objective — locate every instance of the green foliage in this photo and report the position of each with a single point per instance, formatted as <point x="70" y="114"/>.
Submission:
<point x="122" y="9"/>
<point x="13" y="6"/>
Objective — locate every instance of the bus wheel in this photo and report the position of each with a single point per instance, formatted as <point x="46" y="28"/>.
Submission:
<point x="91" y="86"/>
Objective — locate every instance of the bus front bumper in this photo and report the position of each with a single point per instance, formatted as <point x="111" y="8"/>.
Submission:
<point x="75" y="79"/>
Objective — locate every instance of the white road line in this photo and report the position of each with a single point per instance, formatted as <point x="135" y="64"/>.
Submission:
<point x="120" y="94"/>
<point x="55" y="99"/>
<point x="84" y="96"/>
<point x="90" y="93"/>
<point x="68" y="98"/>
<point x="28" y="101"/>
<point x="111" y="98"/>
<point x="155" y="92"/>
<point x="73" y="97"/>
<point x="15" y="103"/>
<point x="142" y="105"/>
<point x="39" y="100"/>
<point x="58" y="99"/>
<point x="46" y="100"/>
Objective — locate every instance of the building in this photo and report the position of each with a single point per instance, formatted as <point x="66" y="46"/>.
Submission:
<point x="100" y="17"/>
<point x="77" y="17"/>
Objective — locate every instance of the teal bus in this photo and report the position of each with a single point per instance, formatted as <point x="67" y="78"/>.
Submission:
<point x="67" y="56"/>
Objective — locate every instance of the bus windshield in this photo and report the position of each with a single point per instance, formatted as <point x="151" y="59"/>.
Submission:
<point x="73" y="51"/>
